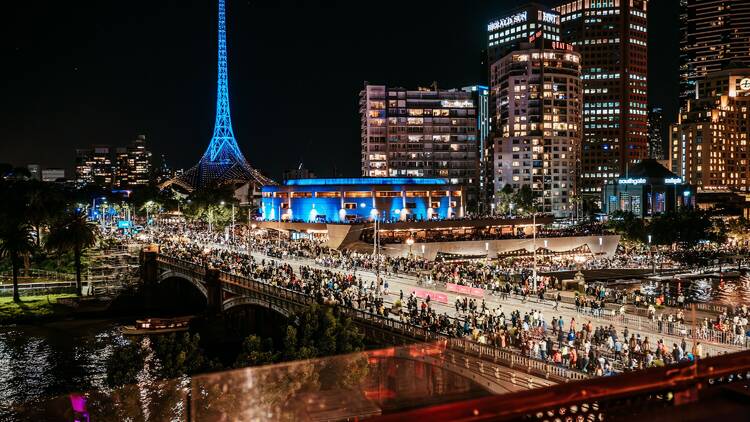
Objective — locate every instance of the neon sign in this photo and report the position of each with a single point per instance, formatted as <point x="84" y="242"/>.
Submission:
<point x="508" y="21"/>
<point x="549" y="17"/>
<point x="639" y="181"/>
<point x="672" y="181"/>
<point x="557" y="45"/>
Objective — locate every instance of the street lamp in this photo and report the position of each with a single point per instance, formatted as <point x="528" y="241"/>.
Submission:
<point x="410" y="242"/>
<point x="148" y="206"/>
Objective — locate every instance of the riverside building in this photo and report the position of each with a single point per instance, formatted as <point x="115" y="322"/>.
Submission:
<point x="537" y="115"/>
<point x="709" y="143"/>
<point x="426" y="132"/>
<point x="612" y="38"/>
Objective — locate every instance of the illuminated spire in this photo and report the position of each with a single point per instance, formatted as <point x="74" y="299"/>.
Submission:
<point x="223" y="162"/>
<point x="223" y="148"/>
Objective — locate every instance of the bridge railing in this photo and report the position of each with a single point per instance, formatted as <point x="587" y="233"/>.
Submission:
<point x="462" y="345"/>
<point x="181" y="266"/>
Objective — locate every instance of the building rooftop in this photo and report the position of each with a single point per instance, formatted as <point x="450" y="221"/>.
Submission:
<point x="650" y="169"/>
<point x="367" y="181"/>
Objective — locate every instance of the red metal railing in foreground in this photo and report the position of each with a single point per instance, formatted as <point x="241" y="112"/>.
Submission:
<point x="598" y="398"/>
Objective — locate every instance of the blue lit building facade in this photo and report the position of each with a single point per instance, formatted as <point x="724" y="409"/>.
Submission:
<point x="347" y="200"/>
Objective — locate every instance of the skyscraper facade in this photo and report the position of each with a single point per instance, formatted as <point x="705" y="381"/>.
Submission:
<point x="481" y="96"/>
<point x="709" y="143"/>
<point x="714" y="33"/>
<point x="655" y="133"/>
<point x="426" y="132"/>
<point x="537" y="118"/>
<point x="507" y="33"/>
<point x="611" y="37"/>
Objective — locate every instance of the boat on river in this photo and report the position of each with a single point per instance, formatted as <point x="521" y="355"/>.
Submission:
<point x="150" y="326"/>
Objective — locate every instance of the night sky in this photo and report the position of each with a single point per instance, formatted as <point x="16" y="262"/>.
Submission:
<point x="84" y="72"/>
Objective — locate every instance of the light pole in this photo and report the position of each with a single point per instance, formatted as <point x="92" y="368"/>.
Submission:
<point x="651" y="256"/>
<point x="232" y="222"/>
<point x="533" y="223"/>
<point x="410" y="242"/>
<point x="148" y="206"/>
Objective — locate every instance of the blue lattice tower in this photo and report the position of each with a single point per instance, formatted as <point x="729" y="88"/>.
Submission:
<point x="223" y="148"/>
<point x="223" y="162"/>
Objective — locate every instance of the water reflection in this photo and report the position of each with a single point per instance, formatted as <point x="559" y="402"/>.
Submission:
<point x="709" y="289"/>
<point x="39" y="362"/>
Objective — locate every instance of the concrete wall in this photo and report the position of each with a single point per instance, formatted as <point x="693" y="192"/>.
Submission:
<point x="493" y="247"/>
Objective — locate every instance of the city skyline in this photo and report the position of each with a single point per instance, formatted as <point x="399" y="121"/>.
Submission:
<point x="71" y="112"/>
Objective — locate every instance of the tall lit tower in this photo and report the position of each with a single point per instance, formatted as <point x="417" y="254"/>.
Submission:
<point x="223" y="162"/>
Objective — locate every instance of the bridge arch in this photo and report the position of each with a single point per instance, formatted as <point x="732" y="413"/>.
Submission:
<point x="198" y="284"/>
<point x="254" y="301"/>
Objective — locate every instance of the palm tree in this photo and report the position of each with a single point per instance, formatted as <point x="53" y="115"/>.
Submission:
<point x="73" y="232"/>
<point x="16" y="241"/>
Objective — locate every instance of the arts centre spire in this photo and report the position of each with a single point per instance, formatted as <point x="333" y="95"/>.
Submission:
<point x="223" y="162"/>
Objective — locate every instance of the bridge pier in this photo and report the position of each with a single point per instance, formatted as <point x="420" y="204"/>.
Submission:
<point x="213" y="287"/>
<point x="149" y="266"/>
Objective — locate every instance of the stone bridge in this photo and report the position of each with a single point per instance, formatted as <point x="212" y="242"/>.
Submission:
<point x="488" y="365"/>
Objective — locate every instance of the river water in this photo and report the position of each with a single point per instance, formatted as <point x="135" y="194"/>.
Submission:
<point x="39" y="362"/>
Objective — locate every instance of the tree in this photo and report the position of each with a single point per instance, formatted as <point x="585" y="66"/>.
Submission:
<point x="524" y="200"/>
<point x="255" y="352"/>
<point x="687" y="226"/>
<point x="44" y="204"/>
<point x="505" y="199"/>
<point x="180" y="355"/>
<point x="123" y="365"/>
<point x="73" y="232"/>
<point x="321" y="332"/>
<point x="211" y="206"/>
<point x="628" y="225"/>
<point x="174" y="356"/>
<point x="15" y="242"/>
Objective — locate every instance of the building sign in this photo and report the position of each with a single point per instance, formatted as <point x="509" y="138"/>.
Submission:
<point x="672" y="181"/>
<point x="639" y="181"/>
<point x="745" y="84"/>
<point x="557" y="45"/>
<point x="508" y="21"/>
<point x="549" y="17"/>
<point x="457" y="103"/>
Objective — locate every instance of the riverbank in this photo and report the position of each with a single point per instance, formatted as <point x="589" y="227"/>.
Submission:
<point x="33" y="309"/>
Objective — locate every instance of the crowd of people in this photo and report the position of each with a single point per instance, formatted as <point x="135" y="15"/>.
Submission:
<point x="333" y="279"/>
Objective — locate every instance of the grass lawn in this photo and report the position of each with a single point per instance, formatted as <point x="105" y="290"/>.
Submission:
<point x="31" y="308"/>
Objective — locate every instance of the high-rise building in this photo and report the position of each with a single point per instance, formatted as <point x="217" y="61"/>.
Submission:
<point x="709" y="143"/>
<point x="481" y="96"/>
<point x="121" y="168"/>
<point x="421" y="133"/>
<point x="537" y="99"/>
<point x="94" y="166"/>
<point x="715" y="33"/>
<point x="656" y="133"/>
<point x="139" y="162"/>
<point x="611" y="36"/>
<point x="510" y="31"/>
<point x="83" y="167"/>
<point x="101" y="166"/>
<point x="133" y="164"/>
